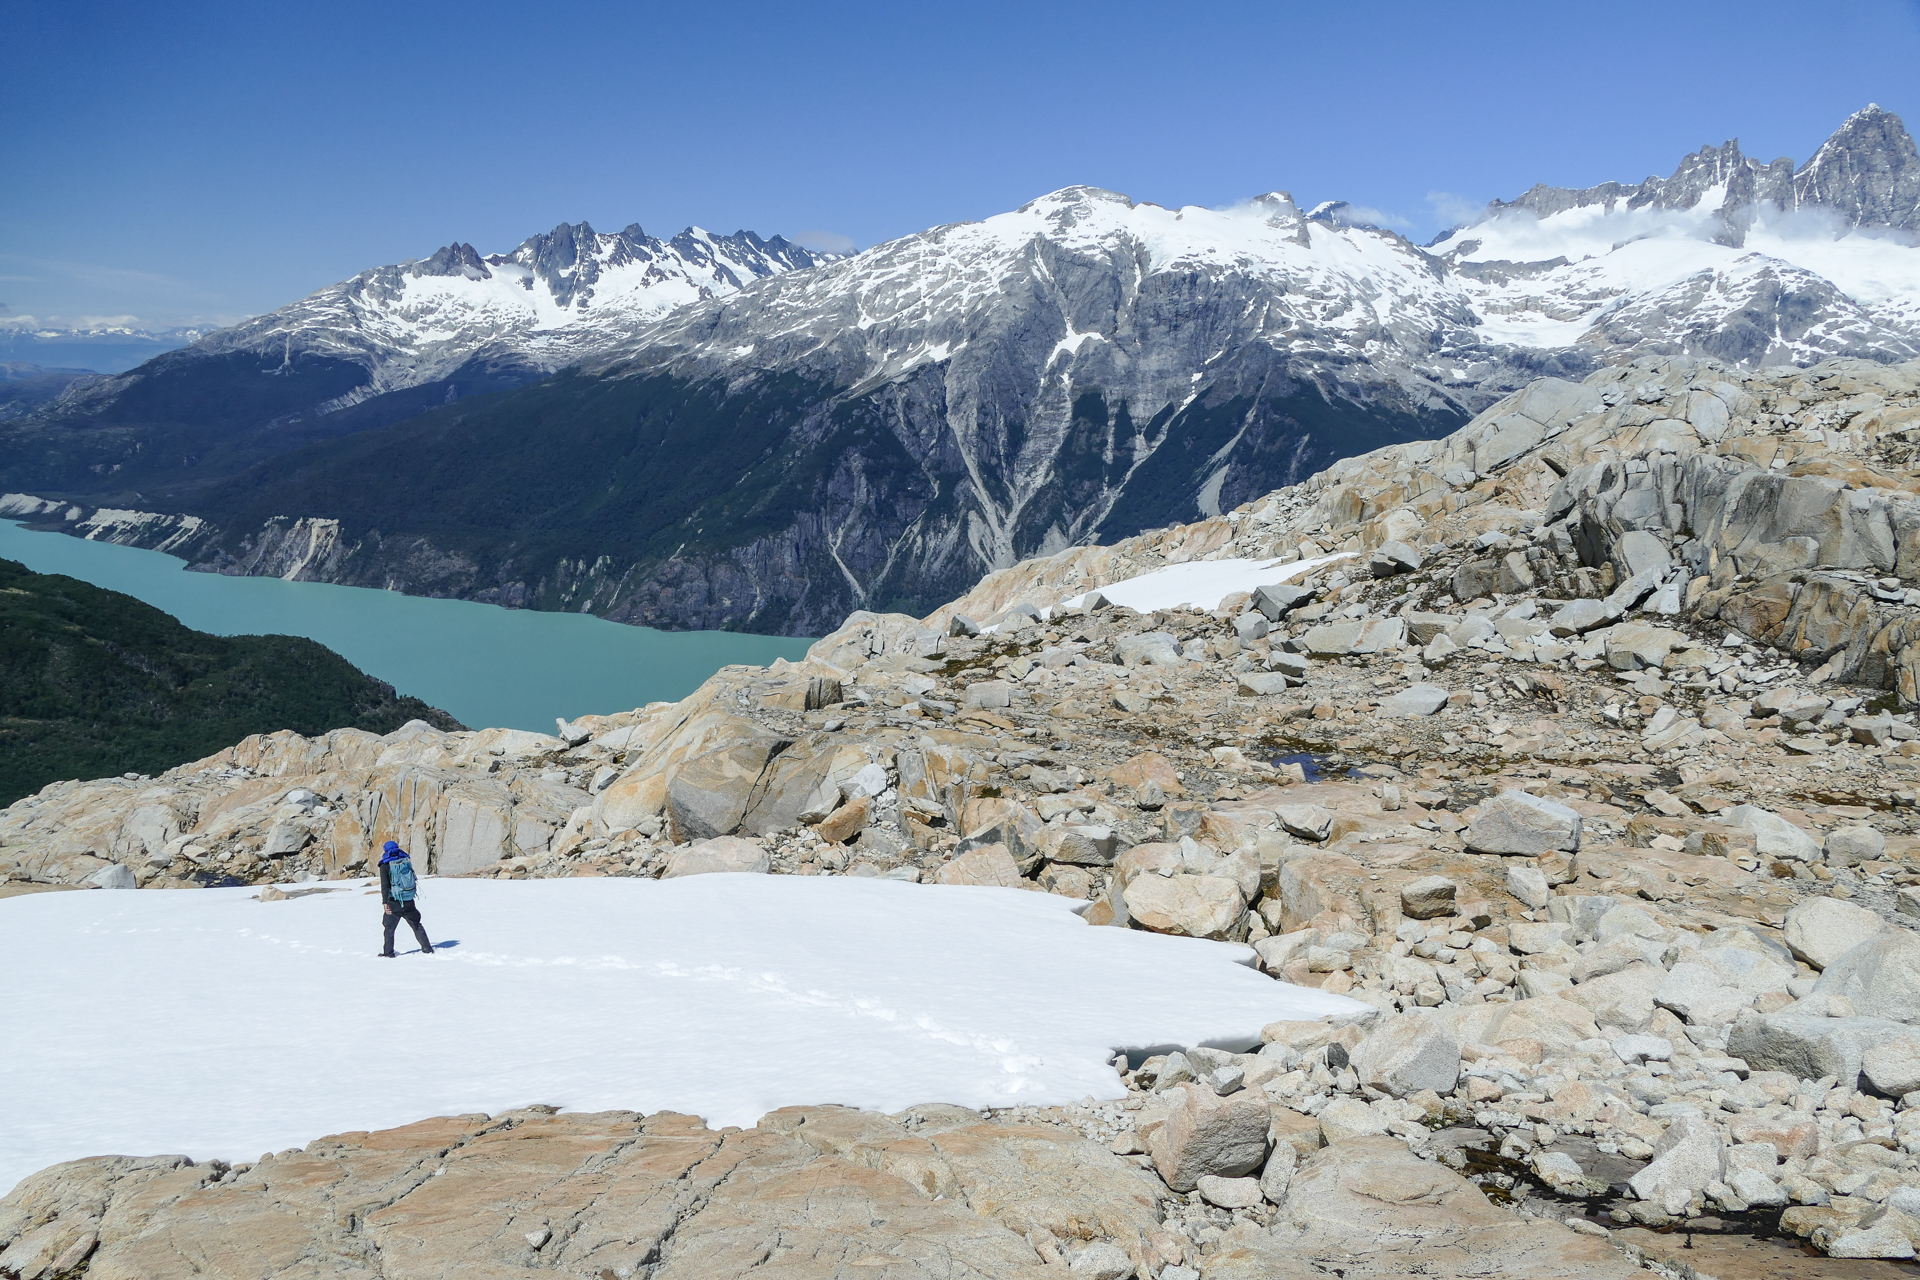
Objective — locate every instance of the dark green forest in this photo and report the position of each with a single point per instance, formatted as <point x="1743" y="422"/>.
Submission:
<point x="95" y="683"/>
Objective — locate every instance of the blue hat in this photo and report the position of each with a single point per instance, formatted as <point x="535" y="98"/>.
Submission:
<point x="389" y="847"/>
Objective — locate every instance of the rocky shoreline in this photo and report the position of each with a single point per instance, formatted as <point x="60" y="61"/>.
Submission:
<point x="1579" y="749"/>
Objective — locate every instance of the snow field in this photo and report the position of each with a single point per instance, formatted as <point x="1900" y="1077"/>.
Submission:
<point x="1201" y="584"/>
<point x="208" y="1023"/>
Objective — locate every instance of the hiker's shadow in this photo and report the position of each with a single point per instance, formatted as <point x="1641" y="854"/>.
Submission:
<point x="448" y="945"/>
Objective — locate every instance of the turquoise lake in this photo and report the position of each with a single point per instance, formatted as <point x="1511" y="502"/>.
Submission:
<point x="485" y="665"/>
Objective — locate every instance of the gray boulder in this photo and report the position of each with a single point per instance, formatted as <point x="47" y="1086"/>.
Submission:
<point x="114" y="875"/>
<point x="1375" y="1209"/>
<point x="1278" y="1172"/>
<point x="1579" y="617"/>
<point x="1623" y="999"/>
<point x="1636" y="551"/>
<point x="1773" y="835"/>
<point x="1880" y="1234"/>
<point x="285" y="837"/>
<point x="1561" y="1172"/>
<point x="1261" y="684"/>
<point x="1082" y="845"/>
<point x="1893" y="1066"/>
<point x="709" y="794"/>
<point x="1821" y="930"/>
<point x="1101" y="1260"/>
<point x="1516" y="822"/>
<point x="1852" y="845"/>
<point x="1687" y="1157"/>
<point x="1149" y="648"/>
<point x="1881" y="974"/>
<point x="1807" y="1047"/>
<point x="1230" y="1193"/>
<point x="1279" y="600"/>
<point x="1357" y="635"/>
<point x="1187" y="905"/>
<point x="1406" y="1054"/>
<point x="1307" y="821"/>
<point x="1529" y="884"/>
<point x="1206" y="1135"/>
<point x="1392" y="558"/>
<point x="1415" y="700"/>
<point x="1698" y="994"/>
<point x="989" y="695"/>
<point x="1633" y="646"/>
<point x="1291" y="664"/>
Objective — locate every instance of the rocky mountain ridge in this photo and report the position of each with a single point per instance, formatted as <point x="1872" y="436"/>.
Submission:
<point x="534" y="309"/>
<point x="1579" y="746"/>
<point x="1867" y="173"/>
<point x="878" y="432"/>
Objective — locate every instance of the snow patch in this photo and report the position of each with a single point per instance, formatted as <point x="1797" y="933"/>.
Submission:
<point x="209" y="1023"/>
<point x="1202" y="584"/>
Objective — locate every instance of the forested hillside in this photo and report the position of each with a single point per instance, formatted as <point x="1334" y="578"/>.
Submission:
<point x="94" y="682"/>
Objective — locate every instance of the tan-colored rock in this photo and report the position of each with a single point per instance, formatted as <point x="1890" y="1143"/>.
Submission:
<point x="1189" y="905"/>
<point x="470" y="1197"/>
<point x="1376" y="1209"/>
<point x="721" y="854"/>
<point x="1148" y="766"/>
<point x="988" y="865"/>
<point x="1209" y="1135"/>
<point x="845" y="822"/>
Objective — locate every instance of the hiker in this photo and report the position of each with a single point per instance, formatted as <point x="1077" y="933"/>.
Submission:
<point x="398" y="888"/>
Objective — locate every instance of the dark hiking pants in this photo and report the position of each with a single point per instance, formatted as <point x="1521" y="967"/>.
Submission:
<point x="411" y="914"/>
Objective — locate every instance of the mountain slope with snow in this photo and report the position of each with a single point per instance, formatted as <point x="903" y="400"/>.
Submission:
<point x="1729" y="258"/>
<point x="750" y="436"/>
<point x="557" y="295"/>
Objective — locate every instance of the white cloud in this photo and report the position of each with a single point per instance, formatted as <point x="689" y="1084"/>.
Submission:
<point x="1452" y="210"/>
<point x="825" y="241"/>
<point x="1352" y="215"/>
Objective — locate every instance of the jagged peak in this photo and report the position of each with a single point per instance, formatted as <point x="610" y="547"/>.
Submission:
<point x="456" y="259"/>
<point x="1867" y="170"/>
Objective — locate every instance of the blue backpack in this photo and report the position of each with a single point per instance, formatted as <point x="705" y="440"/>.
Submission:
<point x="400" y="880"/>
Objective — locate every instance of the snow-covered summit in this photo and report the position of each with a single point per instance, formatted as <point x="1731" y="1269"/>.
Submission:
<point x="1728" y="257"/>
<point x="1113" y="285"/>
<point x="555" y="295"/>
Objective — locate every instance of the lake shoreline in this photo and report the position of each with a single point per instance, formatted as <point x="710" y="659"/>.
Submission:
<point x="487" y="665"/>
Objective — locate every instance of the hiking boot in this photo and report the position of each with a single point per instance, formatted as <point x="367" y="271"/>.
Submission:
<point x="426" y="951"/>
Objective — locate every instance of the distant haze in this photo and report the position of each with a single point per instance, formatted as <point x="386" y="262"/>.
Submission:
<point x="95" y="352"/>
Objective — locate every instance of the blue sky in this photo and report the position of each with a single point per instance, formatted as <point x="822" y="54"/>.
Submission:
<point x="200" y="162"/>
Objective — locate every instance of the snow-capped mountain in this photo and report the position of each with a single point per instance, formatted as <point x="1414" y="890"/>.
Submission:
<point x="556" y="297"/>
<point x="880" y="430"/>
<point x="1751" y="263"/>
<point x="1729" y="258"/>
